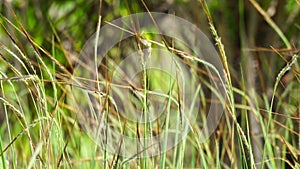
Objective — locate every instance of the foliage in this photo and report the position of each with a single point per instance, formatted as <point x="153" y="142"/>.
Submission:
<point x="257" y="41"/>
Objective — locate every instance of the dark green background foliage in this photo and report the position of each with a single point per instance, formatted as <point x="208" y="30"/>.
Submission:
<point x="39" y="40"/>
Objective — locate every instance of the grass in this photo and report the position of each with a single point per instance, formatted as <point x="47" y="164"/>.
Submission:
<point x="43" y="123"/>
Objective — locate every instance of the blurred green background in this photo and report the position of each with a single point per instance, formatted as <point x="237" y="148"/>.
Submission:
<point x="34" y="82"/>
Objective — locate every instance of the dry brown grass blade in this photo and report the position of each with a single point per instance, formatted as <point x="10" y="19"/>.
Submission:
<point x="262" y="49"/>
<point x="294" y="152"/>
<point x="155" y="24"/>
<point x="10" y="144"/>
<point x="60" y="46"/>
<point x="35" y="45"/>
<point x="62" y="155"/>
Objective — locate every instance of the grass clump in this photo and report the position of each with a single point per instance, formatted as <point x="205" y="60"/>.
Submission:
<point x="43" y="127"/>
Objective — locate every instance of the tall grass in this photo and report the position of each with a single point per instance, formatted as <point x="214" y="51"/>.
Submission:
<point x="42" y="128"/>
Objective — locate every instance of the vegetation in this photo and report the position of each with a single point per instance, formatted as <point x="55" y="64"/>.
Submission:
<point x="40" y="126"/>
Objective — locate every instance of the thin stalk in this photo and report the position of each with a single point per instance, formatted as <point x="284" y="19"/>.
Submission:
<point x="278" y="78"/>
